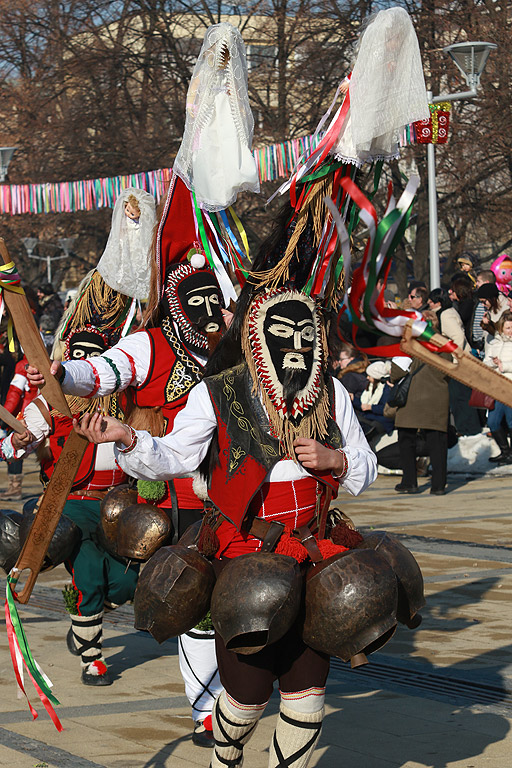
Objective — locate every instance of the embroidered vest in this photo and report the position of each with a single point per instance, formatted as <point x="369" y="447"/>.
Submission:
<point x="172" y="373"/>
<point x="247" y="450"/>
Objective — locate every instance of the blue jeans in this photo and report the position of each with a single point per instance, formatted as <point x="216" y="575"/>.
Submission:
<point x="495" y="417"/>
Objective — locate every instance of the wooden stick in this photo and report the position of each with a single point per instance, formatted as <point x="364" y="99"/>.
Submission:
<point x="11" y="421"/>
<point x="463" y="366"/>
<point x="49" y="512"/>
<point x="31" y="341"/>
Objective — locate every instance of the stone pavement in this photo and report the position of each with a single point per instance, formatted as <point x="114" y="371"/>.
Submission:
<point x="438" y="697"/>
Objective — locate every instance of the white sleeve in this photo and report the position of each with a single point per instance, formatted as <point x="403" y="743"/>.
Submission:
<point x="126" y="363"/>
<point x="181" y="451"/>
<point x="37" y="424"/>
<point x="362" y="462"/>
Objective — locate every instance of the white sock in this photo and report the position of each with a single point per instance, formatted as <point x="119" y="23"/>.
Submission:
<point x="233" y="726"/>
<point x="297" y="731"/>
<point x="88" y="636"/>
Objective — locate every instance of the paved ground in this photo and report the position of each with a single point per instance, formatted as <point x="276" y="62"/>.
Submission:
<point x="439" y="697"/>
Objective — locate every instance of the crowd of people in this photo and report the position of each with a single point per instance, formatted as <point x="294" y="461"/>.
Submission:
<point x="475" y="314"/>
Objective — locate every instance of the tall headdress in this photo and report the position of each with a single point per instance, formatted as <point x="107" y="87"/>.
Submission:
<point x="215" y="159"/>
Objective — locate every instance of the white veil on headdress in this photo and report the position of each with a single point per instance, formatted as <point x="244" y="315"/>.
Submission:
<point x="125" y="263"/>
<point x="215" y="159"/>
<point x="387" y="89"/>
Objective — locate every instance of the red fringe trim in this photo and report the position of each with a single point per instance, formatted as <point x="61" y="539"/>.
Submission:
<point x="290" y="546"/>
<point x="342" y="534"/>
<point x="328" y="549"/>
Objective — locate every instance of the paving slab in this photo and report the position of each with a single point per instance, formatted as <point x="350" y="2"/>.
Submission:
<point x="438" y="697"/>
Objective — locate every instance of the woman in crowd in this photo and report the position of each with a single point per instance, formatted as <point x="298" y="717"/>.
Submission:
<point x="499" y="357"/>
<point x="450" y="324"/>
<point x="369" y="406"/>
<point x="350" y="368"/>
<point x="495" y="305"/>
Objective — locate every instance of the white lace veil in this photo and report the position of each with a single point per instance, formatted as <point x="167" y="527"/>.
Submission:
<point x="221" y="65"/>
<point x="125" y="263"/>
<point x="387" y="89"/>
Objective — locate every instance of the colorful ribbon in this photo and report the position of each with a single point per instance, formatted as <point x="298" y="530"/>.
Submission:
<point x="20" y="651"/>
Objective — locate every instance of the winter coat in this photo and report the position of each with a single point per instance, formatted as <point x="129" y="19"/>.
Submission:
<point x="500" y="347"/>
<point x="427" y="404"/>
<point x="450" y="325"/>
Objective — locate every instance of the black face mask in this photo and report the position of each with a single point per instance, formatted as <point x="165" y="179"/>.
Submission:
<point x="84" y="344"/>
<point x="201" y="302"/>
<point x="290" y="337"/>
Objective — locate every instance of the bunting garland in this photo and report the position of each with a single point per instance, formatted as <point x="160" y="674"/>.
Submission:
<point x="273" y="162"/>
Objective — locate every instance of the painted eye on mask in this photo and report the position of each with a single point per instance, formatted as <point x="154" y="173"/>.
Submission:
<point x="282" y="331"/>
<point x="78" y="354"/>
<point x="195" y="301"/>
<point x="308" y="333"/>
<point x="214" y="298"/>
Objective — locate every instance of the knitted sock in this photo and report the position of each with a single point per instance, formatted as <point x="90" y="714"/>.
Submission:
<point x="297" y="730"/>
<point x="87" y="635"/>
<point x="233" y="726"/>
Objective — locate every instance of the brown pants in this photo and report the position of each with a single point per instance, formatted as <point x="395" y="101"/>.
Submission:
<point x="250" y="679"/>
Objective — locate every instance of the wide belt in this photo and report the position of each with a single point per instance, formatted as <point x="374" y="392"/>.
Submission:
<point x="270" y="533"/>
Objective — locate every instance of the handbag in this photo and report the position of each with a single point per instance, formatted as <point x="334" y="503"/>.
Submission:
<point x="481" y="400"/>
<point x="400" y="392"/>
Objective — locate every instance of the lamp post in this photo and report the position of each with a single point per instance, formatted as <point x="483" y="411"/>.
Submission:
<point x="65" y="244"/>
<point x="470" y="59"/>
<point x="6" y="154"/>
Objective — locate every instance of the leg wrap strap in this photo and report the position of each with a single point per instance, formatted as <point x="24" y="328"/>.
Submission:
<point x="295" y="738"/>
<point x="231" y="734"/>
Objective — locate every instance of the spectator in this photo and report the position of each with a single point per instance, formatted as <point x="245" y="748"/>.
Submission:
<point x="426" y="409"/>
<point x="476" y="332"/>
<point x="465" y="265"/>
<point x="495" y="305"/>
<point x="417" y="299"/>
<point x="499" y="357"/>
<point x="448" y="319"/>
<point x="350" y="368"/>
<point x="461" y="296"/>
<point x="369" y="406"/>
<point x="51" y="312"/>
<point x="466" y="418"/>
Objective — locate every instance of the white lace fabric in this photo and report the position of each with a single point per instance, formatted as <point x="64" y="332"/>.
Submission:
<point x="125" y="263"/>
<point x="215" y="158"/>
<point x="387" y="89"/>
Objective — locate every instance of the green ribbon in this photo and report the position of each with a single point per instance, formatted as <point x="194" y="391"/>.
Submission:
<point x="202" y="231"/>
<point x="23" y="643"/>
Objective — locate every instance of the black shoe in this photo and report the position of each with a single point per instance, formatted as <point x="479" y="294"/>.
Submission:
<point x="70" y="642"/>
<point x="89" y="678"/>
<point x="400" y="488"/>
<point x="202" y="737"/>
<point x="440" y="492"/>
<point x="501" y="457"/>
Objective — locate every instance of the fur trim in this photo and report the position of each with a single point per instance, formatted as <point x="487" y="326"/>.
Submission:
<point x="199" y="486"/>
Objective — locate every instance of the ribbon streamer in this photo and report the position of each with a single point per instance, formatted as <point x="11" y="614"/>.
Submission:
<point x="18" y="645"/>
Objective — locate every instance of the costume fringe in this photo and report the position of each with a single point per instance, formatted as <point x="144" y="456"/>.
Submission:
<point x="314" y="208"/>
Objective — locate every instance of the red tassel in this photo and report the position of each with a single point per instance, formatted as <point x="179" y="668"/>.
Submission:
<point x="207" y="722"/>
<point x="290" y="546"/>
<point x="345" y="536"/>
<point x="97" y="668"/>
<point x="208" y="544"/>
<point x="328" y="549"/>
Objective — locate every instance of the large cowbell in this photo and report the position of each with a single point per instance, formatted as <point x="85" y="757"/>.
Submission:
<point x="64" y="541"/>
<point x="10" y="544"/>
<point x="111" y="507"/>
<point x="407" y="571"/>
<point x="351" y="603"/>
<point x="256" y="600"/>
<point x="173" y="592"/>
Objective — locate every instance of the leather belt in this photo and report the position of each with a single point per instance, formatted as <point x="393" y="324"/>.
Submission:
<point x="270" y="532"/>
<point x="92" y="493"/>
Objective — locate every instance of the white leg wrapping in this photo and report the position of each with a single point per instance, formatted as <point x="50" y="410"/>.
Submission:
<point x="198" y="666"/>
<point x="88" y="637"/>
<point x="233" y="726"/>
<point x="297" y="731"/>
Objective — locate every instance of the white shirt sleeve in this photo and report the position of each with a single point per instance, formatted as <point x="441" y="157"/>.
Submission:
<point x="124" y="364"/>
<point x="181" y="451"/>
<point x="36" y="424"/>
<point x="362" y="462"/>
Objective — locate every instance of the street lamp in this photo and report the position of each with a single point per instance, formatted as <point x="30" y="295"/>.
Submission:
<point x="470" y="59"/>
<point x="6" y="154"/>
<point x="65" y="244"/>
